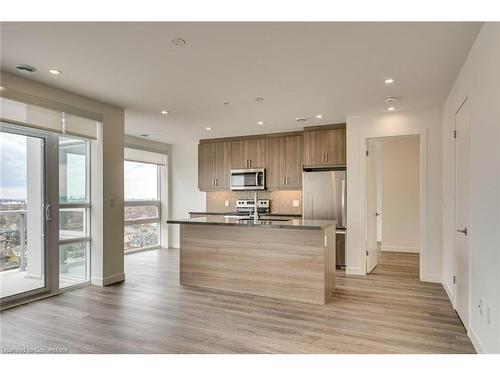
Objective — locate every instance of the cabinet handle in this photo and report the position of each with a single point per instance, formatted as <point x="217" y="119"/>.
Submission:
<point x="327" y="157"/>
<point x="286" y="179"/>
<point x="283" y="180"/>
<point x="216" y="182"/>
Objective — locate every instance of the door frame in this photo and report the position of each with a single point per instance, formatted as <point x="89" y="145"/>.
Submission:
<point x="465" y="99"/>
<point x="50" y="228"/>
<point x="363" y="142"/>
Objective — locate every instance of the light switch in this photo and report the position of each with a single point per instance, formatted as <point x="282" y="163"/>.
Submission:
<point x="226" y="203"/>
<point x="295" y="203"/>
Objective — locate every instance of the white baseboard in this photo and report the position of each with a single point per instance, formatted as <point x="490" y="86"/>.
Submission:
<point x="98" y="281"/>
<point x="400" y="249"/>
<point x="476" y="342"/>
<point x="354" y="271"/>
<point x="448" y="291"/>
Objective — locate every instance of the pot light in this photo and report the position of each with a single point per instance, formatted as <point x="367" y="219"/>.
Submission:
<point x="208" y="128"/>
<point x="389" y="81"/>
<point x="55" y="71"/>
<point x="391" y="109"/>
<point x="319" y="116"/>
<point x="164" y="112"/>
<point x="260" y="122"/>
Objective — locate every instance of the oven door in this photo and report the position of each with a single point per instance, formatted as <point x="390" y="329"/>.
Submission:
<point x="248" y="179"/>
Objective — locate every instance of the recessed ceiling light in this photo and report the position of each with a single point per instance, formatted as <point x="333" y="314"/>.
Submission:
<point x="319" y="116"/>
<point x="389" y="81"/>
<point x="55" y="71"/>
<point x="26" y="69"/>
<point x="164" y="112"/>
<point x="259" y="99"/>
<point x="179" y="42"/>
<point x="391" y="109"/>
<point x="260" y="122"/>
<point x="208" y="128"/>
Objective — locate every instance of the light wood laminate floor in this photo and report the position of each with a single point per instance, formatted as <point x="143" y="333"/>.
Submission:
<point x="388" y="311"/>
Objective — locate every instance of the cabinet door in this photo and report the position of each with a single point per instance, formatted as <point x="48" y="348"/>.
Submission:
<point x="206" y="163"/>
<point x="335" y="146"/>
<point x="222" y="164"/>
<point x="293" y="157"/>
<point x="314" y="147"/>
<point x="255" y="153"/>
<point x="275" y="162"/>
<point x="238" y="157"/>
<point x="248" y="154"/>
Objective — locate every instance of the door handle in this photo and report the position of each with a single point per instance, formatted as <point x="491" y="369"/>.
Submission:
<point x="377" y="214"/>
<point x="47" y="213"/>
<point x="464" y="231"/>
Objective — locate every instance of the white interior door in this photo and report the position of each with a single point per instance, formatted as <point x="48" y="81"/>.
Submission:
<point x="461" y="254"/>
<point x="371" y="243"/>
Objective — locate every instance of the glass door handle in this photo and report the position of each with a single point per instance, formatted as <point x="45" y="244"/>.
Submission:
<point x="48" y="217"/>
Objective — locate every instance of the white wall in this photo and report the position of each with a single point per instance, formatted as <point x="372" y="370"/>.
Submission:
<point x="479" y="79"/>
<point x="400" y="167"/>
<point x="185" y="195"/>
<point x="427" y="122"/>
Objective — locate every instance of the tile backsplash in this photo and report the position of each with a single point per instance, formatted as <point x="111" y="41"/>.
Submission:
<point x="281" y="200"/>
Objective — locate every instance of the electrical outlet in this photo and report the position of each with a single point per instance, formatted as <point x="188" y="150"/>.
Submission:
<point x="480" y="306"/>
<point x="295" y="203"/>
<point x="226" y="203"/>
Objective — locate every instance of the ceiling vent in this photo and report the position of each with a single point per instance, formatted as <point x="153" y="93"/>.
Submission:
<point x="26" y="69"/>
<point x="390" y="99"/>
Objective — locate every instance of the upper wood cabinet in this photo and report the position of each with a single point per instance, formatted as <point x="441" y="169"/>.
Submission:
<point x="325" y="146"/>
<point x="214" y="165"/>
<point x="284" y="162"/>
<point x="250" y="153"/>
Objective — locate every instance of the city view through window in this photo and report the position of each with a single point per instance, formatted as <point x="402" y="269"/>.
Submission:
<point x="142" y="205"/>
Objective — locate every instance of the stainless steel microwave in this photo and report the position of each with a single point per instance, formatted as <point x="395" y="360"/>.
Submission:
<point x="248" y="179"/>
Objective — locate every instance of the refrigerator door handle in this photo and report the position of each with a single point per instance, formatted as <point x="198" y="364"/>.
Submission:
<point x="343" y="205"/>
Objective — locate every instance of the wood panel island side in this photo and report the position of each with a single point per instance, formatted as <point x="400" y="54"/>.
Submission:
<point x="292" y="260"/>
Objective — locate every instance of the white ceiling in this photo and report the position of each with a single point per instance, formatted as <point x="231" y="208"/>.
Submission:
<point x="301" y="69"/>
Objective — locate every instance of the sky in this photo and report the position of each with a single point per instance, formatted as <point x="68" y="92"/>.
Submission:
<point x="12" y="166"/>
<point x="141" y="181"/>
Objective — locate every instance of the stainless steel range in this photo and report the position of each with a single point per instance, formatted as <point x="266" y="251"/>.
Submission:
<point x="246" y="207"/>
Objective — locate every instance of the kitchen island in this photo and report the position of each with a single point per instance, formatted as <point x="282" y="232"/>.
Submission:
<point x="286" y="259"/>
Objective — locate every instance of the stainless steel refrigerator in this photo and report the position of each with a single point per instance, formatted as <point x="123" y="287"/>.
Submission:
<point x="324" y="197"/>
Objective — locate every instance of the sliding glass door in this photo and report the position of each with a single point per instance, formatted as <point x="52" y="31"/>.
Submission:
<point x="45" y="208"/>
<point x="24" y="210"/>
